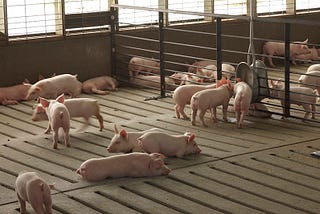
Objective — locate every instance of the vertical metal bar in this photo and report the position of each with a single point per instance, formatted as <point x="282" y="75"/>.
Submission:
<point x="218" y="44"/>
<point x="287" y="70"/>
<point x="161" y="56"/>
<point x="114" y="28"/>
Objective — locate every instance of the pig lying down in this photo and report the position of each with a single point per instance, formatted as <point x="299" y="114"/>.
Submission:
<point x="134" y="164"/>
<point x="30" y="187"/>
<point x="126" y="142"/>
<point x="77" y="107"/>
<point x="138" y="64"/>
<point x="98" y="85"/>
<point x="13" y="94"/>
<point x="59" y="117"/>
<point x="169" y="145"/>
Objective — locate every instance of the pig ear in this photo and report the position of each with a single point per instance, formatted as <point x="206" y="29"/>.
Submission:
<point x="123" y="133"/>
<point x="218" y="84"/>
<point x="191" y="137"/>
<point x="60" y="99"/>
<point x="305" y="41"/>
<point x="44" y="102"/>
<point x="37" y="89"/>
<point x="155" y="164"/>
<point x="115" y="129"/>
<point x="238" y="80"/>
<point x="40" y="77"/>
<point x="26" y="81"/>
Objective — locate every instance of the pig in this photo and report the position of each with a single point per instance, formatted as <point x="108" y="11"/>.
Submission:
<point x="311" y="79"/>
<point x="59" y="117"/>
<point x="169" y="145"/>
<point x="13" y="94"/>
<point x="302" y="96"/>
<point x="134" y="164"/>
<point x="126" y="142"/>
<point x="189" y="79"/>
<point x="200" y="64"/>
<point x="210" y="72"/>
<point x="152" y="82"/>
<point x="30" y="187"/>
<point x="77" y="107"/>
<point x="210" y="99"/>
<point x="242" y="100"/>
<point x="228" y="71"/>
<point x="52" y="87"/>
<point x="182" y="96"/>
<point x="314" y="67"/>
<point x="313" y="55"/>
<point x="138" y="64"/>
<point x="278" y="48"/>
<point x="99" y="84"/>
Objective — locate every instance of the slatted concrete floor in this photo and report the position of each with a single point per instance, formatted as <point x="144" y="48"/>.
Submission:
<point x="264" y="168"/>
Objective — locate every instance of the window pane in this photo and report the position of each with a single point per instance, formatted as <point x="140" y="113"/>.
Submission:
<point x="85" y="6"/>
<point x="307" y="4"/>
<point x="230" y="7"/>
<point x="193" y="6"/>
<point x="271" y="6"/>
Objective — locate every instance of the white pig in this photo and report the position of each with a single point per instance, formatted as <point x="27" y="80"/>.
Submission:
<point x="30" y="187"/>
<point x="98" y="85"/>
<point x="278" y="48"/>
<point x="152" y="81"/>
<point x="302" y="96"/>
<point x="52" y="87"/>
<point x="77" y="107"/>
<point x="314" y="67"/>
<point x="242" y="100"/>
<point x="134" y="164"/>
<point x="138" y="64"/>
<point x="59" y="117"/>
<point x="169" y="145"/>
<point x="210" y="99"/>
<point x="182" y="96"/>
<point x="210" y="72"/>
<point x="311" y="79"/>
<point x="13" y="94"/>
<point x="200" y="64"/>
<point x="126" y="142"/>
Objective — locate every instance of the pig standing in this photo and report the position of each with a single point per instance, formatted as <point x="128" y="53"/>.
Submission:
<point x="13" y="94"/>
<point x="182" y="96"/>
<point x="99" y="84"/>
<point x="59" y="117"/>
<point x="301" y="96"/>
<point x="126" y="142"/>
<point x="210" y="99"/>
<point x="134" y="164"/>
<point x="277" y="49"/>
<point x="313" y="55"/>
<point x="52" y="87"/>
<point x="77" y="107"/>
<point x="169" y="145"/>
<point x="152" y="81"/>
<point x="138" y="64"/>
<point x="242" y="100"/>
<point x="32" y="188"/>
<point x="311" y="79"/>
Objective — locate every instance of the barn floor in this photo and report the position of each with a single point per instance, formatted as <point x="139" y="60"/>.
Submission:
<point x="265" y="167"/>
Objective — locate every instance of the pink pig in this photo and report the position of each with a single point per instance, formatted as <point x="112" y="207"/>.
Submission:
<point x="134" y="164"/>
<point x="99" y="84"/>
<point x="77" y="107"/>
<point x="13" y="94"/>
<point x="277" y="49"/>
<point x="32" y="188"/>
<point x="210" y="99"/>
<point x="51" y="87"/>
<point x="200" y="64"/>
<point x="169" y="145"/>
<point x="138" y="64"/>
<point x="311" y="79"/>
<point x="314" y="67"/>
<point x="242" y="100"/>
<point x="124" y="141"/>
<point x="313" y="55"/>
<point x="152" y="82"/>
<point x="302" y="96"/>
<point x="59" y="117"/>
<point x="182" y="96"/>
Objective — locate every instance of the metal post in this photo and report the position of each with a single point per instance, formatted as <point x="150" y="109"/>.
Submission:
<point x="161" y="56"/>
<point x="114" y="28"/>
<point x="287" y="69"/>
<point x="218" y="44"/>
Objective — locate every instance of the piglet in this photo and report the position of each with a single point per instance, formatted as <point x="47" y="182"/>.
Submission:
<point x="126" y="142"/>
<point x="13" y="94"/>
<point x="59" y="117"/>
<point x="182" y="96"/>
<point x="138" y="64"/>
<point x="52" y="87"/>
<point x="210" y="72"/>
<point x="134" y="164"/>
<point x="302" y="96"/>
<point x="77" y="107"/>
<point x="311" y="79"/>
<point x="30" y="187"/>
<point x="243" y="94"/>
<point x="278" y="49"/>
<point x="169" y="145"/>
<point x="200" y="64"/>
<point x="210" y="99"/>
<point x="98" y="85"/>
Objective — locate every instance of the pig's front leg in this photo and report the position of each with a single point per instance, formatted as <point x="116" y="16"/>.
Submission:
<point x="22" y="205"/>
<point x="214" y="114"/>
<point x="201" y="116"/>
<point x="270" y="61"/>
<point x="224" y="110"/>
<point x="193" y="118"/>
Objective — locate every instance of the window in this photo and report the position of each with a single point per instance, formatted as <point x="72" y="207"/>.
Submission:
<point x="183" y="5"/>
<point x="230" y="7"/>
<point x="307" y="4"/>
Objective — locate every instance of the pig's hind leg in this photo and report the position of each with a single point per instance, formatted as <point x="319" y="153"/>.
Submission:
<point x="98" y="91"/>
<point x="22" y="205"/>
<point x="66" y="137"/>
<point x="201" y="116"/>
